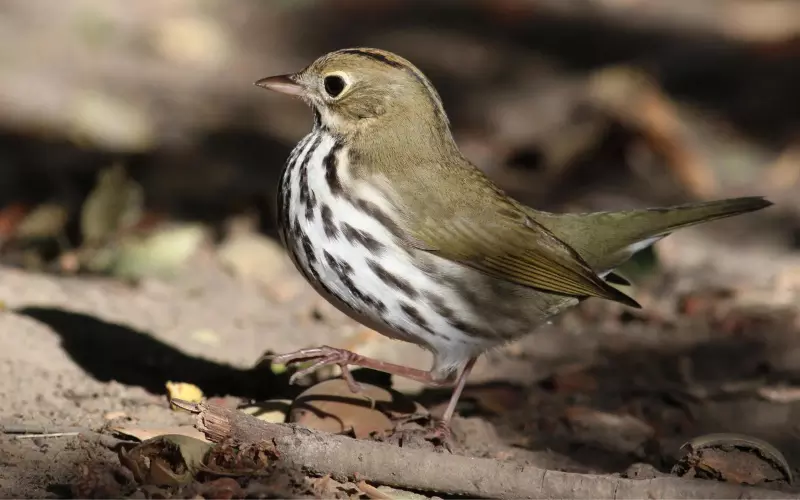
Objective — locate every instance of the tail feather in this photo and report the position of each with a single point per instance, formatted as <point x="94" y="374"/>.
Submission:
<point x="662" y="221"/>
<point x="606" y="239"/>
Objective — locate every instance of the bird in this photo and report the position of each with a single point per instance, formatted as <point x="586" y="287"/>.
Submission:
<point x="386" y="219"/>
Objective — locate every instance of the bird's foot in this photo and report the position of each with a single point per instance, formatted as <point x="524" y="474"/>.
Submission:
<point x="435" y="436"/>
<point x="441" y="435"/>
<point x="319" y="357"/>
<point x="326" y="355"/>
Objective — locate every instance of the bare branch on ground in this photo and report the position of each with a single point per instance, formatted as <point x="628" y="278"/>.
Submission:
<point x="345" y="458"/>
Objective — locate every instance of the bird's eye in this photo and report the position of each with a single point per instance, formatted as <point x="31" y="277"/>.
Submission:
<point x="334" y="85"/>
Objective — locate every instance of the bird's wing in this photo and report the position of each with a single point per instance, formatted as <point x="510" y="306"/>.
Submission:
<point x="509" y="245"/>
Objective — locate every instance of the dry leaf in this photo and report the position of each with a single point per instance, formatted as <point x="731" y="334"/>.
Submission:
<point x="184" y="391"/>
<point x="735" y="458"/>
<point x="327" y="487"/>
<point x="45" y="221"/>
<point x="330" y="406"/>
<point x="115" y="204"/>
<point x="168" y="460"/>
<point x="145" y="433"/>
<point x="223" y="488"/>
<point x="160" y="253"/>
<point x="274" y="410"/>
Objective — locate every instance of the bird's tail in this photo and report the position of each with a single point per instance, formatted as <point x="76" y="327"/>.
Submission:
<point x="606" y="239"/>
<point x="653" y="222"/>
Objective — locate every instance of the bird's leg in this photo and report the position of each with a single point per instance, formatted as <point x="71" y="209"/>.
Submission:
<point x="441" y="432"/>
<point x="326" y="355"/>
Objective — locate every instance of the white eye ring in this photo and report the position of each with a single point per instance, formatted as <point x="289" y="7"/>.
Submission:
<point x="335" y="84"/>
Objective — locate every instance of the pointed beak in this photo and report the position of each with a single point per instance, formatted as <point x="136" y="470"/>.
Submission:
<point x="285" y="84"/>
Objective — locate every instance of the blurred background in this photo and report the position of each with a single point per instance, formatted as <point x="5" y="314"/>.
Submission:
<point x="568" y="104"/>
<point x="138" y="169"/>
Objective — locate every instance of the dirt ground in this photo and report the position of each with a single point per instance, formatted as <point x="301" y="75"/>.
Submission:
<point x="598" y="391"/>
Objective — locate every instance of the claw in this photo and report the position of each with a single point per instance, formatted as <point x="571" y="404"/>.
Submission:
<point x="440" y="434"/>
<point x="297" y="356"/>
<point x="327" y="355"/>
<point x="308" y="370"/>
<point x="320" y="356"/>
<point x="354" y="386"/>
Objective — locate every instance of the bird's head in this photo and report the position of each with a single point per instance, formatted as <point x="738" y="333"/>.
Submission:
<point x="355" y="90"/>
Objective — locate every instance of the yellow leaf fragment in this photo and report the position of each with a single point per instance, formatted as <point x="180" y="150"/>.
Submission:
<point x="184" y="391"/>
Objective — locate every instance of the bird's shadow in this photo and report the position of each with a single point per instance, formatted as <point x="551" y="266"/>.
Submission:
<point x="109" y="351"/>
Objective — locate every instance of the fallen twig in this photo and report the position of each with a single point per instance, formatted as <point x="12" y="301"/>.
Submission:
<point x="372" y="491"/>
<point x="348" y="459"/>
<point x="32" y="430"/>
<point x="47" y="435"/>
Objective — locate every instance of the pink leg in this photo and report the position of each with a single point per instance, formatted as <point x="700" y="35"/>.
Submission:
<point x="442" y="430"/>
<point x="326" y="355"/>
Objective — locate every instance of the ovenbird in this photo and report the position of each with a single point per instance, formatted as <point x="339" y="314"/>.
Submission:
<point x="387" y="220"/>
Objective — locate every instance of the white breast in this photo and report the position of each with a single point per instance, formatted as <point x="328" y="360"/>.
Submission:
<point x="355" y="261"/>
